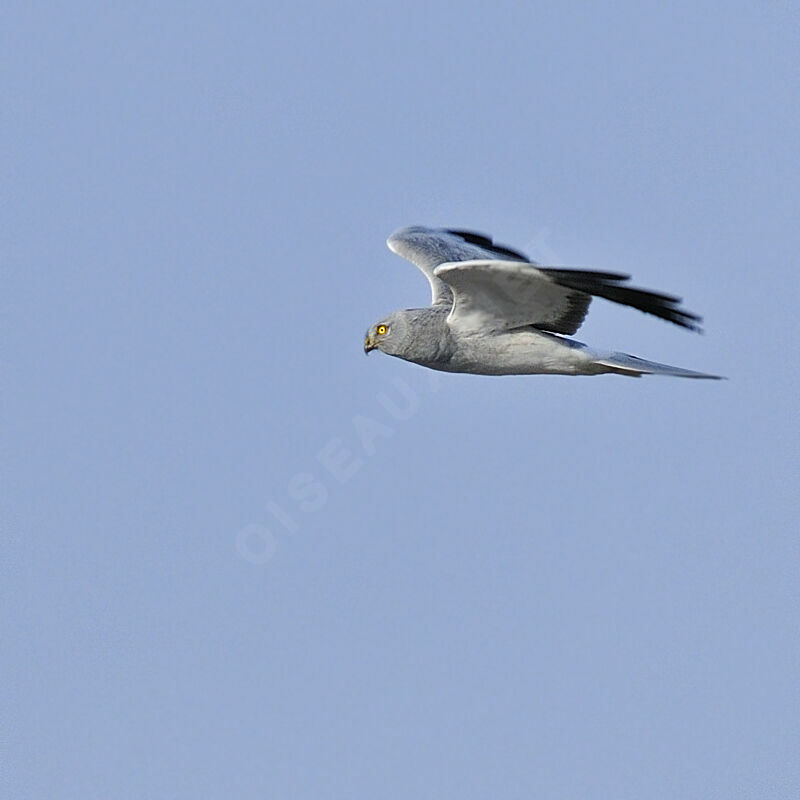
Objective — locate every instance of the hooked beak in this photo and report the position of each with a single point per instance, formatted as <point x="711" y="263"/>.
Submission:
<point x="369" y="345"/>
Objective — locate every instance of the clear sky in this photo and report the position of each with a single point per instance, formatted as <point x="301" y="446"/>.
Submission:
<point x="240" y="559"/>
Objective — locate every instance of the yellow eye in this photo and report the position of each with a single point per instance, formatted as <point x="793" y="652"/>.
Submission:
<point x="381" y="329"/>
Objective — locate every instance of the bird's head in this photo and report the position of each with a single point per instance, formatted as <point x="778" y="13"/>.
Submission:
<point x="388" y="335"/>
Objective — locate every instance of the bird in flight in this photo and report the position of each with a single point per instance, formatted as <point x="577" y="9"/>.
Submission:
<point x="495" y="312"/>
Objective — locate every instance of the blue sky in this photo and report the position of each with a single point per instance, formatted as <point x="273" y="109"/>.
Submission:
<point x="240" y="558"/>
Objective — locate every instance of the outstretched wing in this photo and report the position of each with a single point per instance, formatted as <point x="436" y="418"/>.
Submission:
<point x="501" y="295"/>
<point x="428" y="248"/>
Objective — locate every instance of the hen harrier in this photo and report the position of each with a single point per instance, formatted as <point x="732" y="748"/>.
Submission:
<point x="495" y="312"/>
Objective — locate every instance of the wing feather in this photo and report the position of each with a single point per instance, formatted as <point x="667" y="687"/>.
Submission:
<point x="498" y="295"/>
<point x="428" y="248"/>
<point x="502" y="295"/>
<point x="607" y="286"/>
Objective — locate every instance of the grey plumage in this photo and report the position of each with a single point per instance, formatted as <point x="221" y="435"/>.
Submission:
<point x="495" y="312"/>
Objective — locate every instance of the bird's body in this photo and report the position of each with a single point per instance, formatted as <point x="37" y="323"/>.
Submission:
<point x="494" y="312"/>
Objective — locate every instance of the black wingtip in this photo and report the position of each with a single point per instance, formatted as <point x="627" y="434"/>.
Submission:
<point x="599" y="284"/>
<point x="480" y="239"/>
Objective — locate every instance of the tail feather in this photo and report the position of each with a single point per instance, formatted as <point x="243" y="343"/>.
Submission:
<point x="624" y="364"/>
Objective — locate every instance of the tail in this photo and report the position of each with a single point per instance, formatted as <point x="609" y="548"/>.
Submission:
<point x="623" y="364"/>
